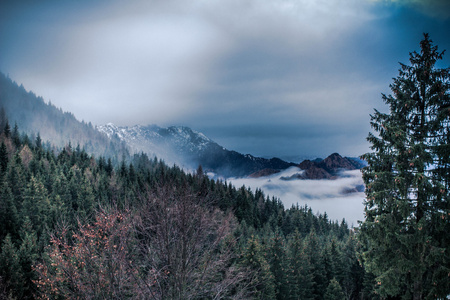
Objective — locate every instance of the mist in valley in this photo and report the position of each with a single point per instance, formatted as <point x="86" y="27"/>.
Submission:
<point x="339" y="198"/>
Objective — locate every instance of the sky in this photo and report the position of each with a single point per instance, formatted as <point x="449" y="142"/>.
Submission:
<point x="286" y="78"/>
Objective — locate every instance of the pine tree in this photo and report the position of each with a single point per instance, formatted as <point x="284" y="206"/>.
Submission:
<point x="15" y="136"/>
<point x="313" y="251"/>
<point x="27" y="254"/>
<point x="407" y="202"/>
<point x="277" y="265"/>
<point x="7" y="129"/>
<point x="3" y="158"/>
<point x="8" y="212"/>
<point x="10" y="268"/>
<point x="334" y="291"/>
<point x="353" y="272"/>
<point x="36" y="205"/>
<point x="264" y="285"/>
<point x="300" y="275"/>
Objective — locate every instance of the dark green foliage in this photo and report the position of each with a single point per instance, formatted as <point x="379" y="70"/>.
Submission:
<point x="408" y="183"/>
<point x="274" y="253"/>
<point x="352" y="271"/>
<point x="8" y="212"/>
<point x="3" y="158"/>
<point x="299" y="275"/>
<point x="313" y="250"/>
<point x="10" y="267"/>
<point x="278" y="265"/>
<point x="334" y="291"/>
<point x="263" y="285"/>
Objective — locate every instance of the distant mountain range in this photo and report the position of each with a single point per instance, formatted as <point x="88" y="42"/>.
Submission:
<point x="188" y="148"/>
<point x="329" y="168"/>
<point x="175" y="145"/>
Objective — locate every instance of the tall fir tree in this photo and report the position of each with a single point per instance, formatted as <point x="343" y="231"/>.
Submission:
<point x="407" y="202"/>
<point x="253" y="258"/>
<point x="334" y="291"/>
<point x="300" y="275"/>
<point x="278" y="268"/>
<point x="10" y="267"/>
<point x="313" y="251"/>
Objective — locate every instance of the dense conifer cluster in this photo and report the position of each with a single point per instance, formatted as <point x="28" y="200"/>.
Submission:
<point x="73" y="225"/>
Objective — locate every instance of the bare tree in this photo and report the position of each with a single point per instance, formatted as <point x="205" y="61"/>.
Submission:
<point x="97" y="261"/>
<point x="189" y="246"/>
<point x="173" y="246"/>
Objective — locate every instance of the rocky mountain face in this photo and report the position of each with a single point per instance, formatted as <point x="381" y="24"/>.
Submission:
<point x="188" y="148"/>
<point x="328" y="168"/>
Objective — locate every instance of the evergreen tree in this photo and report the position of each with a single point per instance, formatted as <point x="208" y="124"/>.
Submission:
<point x="38" y="141"/>
<point x="36" y="205"/>
<point x="352" y="270"/>
<point x="407" y="202"/>
<point x="10" y="268"/>
<point x="334" y="291"/>
<point x="313" y="251"/>
<point x="8" y="212"/>
<point x="15" y="136"/>
<point x="7" y="129"/>
<point x="300" y="275"/>
<point x="27" y="254"/>
<point x="264" y="285"/>
<point x="3" y="158"/>
<point x="277" y="254"/>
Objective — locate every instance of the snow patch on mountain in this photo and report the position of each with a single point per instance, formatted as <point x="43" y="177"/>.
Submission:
<point x="188" y="149"/>
<point x="174" y="144"/>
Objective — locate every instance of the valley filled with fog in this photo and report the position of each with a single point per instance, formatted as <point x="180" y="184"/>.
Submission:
<point x="339" y="198"/>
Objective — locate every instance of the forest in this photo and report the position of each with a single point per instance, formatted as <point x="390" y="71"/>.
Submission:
<point x="77" y="225"/>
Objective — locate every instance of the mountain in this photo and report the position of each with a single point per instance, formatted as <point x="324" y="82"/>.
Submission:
<point x="176" y="144"/>
<point x="188" y="148"/>
<point x="329" y="168"/>
<point x="36" y="117"/>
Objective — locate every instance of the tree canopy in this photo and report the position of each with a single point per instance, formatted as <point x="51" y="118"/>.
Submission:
<point x="407" y="181"/>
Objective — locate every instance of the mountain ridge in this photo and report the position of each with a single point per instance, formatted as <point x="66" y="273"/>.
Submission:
<point x="328" y="168"/>
<point x="189" y="148"/>
<point x="179" y="145"/>
<point x="36" y="117"/>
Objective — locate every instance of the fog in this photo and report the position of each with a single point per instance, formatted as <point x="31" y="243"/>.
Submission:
<point x="339" y="198"/>
<point x="270" y="78"/>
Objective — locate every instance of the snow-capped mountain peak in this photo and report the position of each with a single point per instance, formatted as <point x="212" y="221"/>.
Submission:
<point x="188" y="148"/>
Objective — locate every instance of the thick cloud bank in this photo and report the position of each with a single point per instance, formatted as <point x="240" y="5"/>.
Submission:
<point x="339" y="198"/>
<point x="271" y="78"/>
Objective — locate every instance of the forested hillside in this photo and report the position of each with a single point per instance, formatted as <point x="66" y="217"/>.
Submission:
<point x="76" y="226"/>
<point x="36" y="117"/>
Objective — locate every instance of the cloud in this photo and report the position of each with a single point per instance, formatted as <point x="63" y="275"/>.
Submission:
<point x="146" y="67"/>
<point x="264" y="77"/>
<point x="330" y="196"/>
<point x="158" y="56"/>
<point x="439" y="9"/>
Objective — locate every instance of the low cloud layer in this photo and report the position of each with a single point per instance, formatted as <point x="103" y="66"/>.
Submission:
<point x="340" y="198"/>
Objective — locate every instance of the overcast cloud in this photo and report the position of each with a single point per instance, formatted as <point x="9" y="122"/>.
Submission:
<point x="272" y="78"/>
